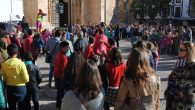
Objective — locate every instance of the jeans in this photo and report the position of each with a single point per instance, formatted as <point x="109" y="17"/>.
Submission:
<point x="15" y="95"/>
<point x="51" y="72"/>
<point x="32" y="92"/>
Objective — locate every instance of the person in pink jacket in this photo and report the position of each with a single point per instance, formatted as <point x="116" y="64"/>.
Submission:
<point x="100" y="45"/>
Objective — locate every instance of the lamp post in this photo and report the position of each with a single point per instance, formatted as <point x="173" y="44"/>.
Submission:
<point x="11" y="10"/>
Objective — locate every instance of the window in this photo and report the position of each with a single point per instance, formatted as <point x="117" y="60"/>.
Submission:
<point x="177" y="11"/>
<point x="178" y="1"/>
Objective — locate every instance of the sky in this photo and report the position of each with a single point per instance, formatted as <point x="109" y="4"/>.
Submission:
<point x="5" y="9"/>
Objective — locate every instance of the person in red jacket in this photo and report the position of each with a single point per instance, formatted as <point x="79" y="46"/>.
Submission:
<point x="60" y="64"/>
<point x="89" y="53"/>
<point x="29" y="46"/>
<point x="28" y="41"/>
<point x="115" y="70"/>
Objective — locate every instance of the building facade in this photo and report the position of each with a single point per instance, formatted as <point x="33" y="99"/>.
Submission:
<point x="79" y="12"/>
<point x="183" y="9"/>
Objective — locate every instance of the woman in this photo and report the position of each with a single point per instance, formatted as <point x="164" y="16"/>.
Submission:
<point x="100" y="44"/>
<point x="181" y="81"/>
<point x="115" y="70"/>
<point x="140" y="87"/>
<point x="88" y="94"/>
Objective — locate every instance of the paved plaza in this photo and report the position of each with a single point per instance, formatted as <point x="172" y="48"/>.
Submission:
<point x="48" y="95"/>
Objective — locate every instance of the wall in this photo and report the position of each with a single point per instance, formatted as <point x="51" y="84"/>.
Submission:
<point x="185" y="8"/>
<point x="30" y="11"/>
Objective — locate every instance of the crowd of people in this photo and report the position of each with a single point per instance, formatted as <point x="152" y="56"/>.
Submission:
<point x="89" y="71"/>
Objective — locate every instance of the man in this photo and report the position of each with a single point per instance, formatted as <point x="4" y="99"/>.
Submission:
<point x="15" y="76"/>
<point x="81" y="42"/>
<point x="53" y="46"/>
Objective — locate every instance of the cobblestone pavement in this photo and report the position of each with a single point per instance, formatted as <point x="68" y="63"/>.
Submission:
<point x="48" y="95"/>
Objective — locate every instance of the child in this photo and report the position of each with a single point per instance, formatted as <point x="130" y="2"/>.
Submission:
<point x="60" y="64"/>
<point x="15" y="76"/>
<point x="89" y="53"/>
<point x="35" y="79"/>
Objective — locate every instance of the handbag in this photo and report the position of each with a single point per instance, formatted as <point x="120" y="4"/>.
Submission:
<point x="49" y="55"/>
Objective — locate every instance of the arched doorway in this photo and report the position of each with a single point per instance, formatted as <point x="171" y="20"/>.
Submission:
<point x="64" y="16"/>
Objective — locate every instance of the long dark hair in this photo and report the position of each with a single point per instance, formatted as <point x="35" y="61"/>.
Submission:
<point x="88" y="81"/>
<point x="115" y="56"/>
<point x="138" y="67"/>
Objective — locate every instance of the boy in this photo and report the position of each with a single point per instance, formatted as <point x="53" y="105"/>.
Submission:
<point x="35" y="79"/>
<point x="15" y="76"/>
<point x="60" y="64"/>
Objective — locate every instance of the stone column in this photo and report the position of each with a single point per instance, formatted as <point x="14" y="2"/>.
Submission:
<point x="30" y="11"/>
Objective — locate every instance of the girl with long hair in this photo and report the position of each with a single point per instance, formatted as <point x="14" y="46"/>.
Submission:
<point x="88" y="94"/>
<point x="140" y="87"/>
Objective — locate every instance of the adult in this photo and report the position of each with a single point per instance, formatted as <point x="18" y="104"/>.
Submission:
<point x="169" y="42"/>
<point x="140" y="87"/>
<point x="53" y="46"/>
<point x="71" y="49"/>
<point x="100" y="44"/>
<point x="81" y="42"/>
<point x="180" y="90"/>
<point x="88" y="94"/>
<point x="187" y="34"/>
<point x="117" y="35"/>
<point x="39" y="25"/>
<point x="3" y="57"/>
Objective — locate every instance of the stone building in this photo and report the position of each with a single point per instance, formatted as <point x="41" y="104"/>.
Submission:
<point x="83" y="11"/>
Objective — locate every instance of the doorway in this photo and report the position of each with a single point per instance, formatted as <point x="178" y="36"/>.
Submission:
<point x="64" y="16"/>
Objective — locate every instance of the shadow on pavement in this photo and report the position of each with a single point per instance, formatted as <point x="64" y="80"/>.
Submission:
<point x="164" y="79"/>
<point x="44" y="68"/>
<point x="47" y="105"/>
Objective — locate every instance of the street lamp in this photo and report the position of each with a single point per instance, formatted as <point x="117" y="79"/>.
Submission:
<point x="11" y="10"/>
